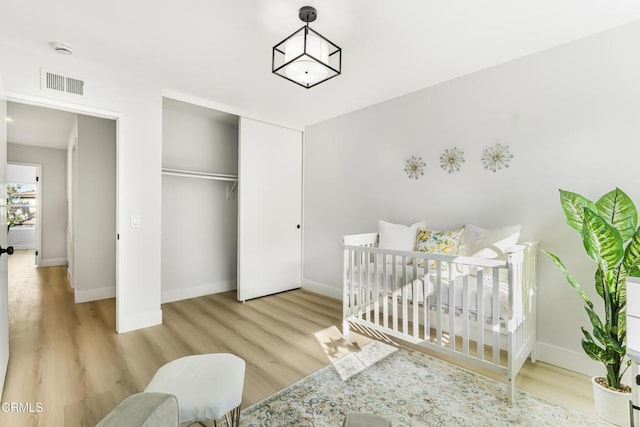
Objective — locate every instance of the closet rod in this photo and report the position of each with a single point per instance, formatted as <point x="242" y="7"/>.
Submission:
<point x="202" y="175"/>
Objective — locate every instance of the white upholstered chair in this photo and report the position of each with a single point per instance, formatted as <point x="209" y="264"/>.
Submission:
<point x="207" y="386"/>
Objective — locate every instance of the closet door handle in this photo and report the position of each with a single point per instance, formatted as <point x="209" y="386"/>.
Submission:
<point x="8" y="251"/>
<point x="298" y="226"/>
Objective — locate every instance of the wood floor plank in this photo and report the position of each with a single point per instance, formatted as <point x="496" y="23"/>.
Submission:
<point x="68" y="356"/>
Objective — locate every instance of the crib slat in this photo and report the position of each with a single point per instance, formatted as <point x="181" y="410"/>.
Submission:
<point x="452" y="309"/>
<point x="352" y="286"/>
<point x="346" y="290"/>
<point x="480" y="312"/>
<point x="394" y="296"/>
<point x="524" y="305"/>
<point x="427" y="302"/>
<point x="360" y="303"/>
<point x="385" y="300"/>
<point x="376" y="306"/>
<point x="465" y="308"/>
<point x="439" y="291"/>
<point x="415" y="300"/>
<point x="496" y="315"/>
<point x="367" y="295"/>
<point x="405" y="291"/>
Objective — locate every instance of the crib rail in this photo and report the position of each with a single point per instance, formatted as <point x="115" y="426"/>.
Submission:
<point x="473" y="308"/>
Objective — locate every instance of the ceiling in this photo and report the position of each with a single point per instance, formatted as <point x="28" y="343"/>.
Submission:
<point x="42" y="127"/>
<point x="220" y="50"/>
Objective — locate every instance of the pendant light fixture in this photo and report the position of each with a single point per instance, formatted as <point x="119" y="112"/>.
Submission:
<point x="306" y="57"/>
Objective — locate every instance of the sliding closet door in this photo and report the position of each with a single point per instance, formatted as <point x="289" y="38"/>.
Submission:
<point x="269" y="209"/>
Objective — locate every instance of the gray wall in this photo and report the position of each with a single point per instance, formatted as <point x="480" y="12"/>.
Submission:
<point x="571" y="116"/>
<point x="199" y="225"/>
<point x="95" y="208"/>
<point x="54" y="206"/>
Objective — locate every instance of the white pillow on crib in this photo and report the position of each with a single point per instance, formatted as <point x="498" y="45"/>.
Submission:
<point x="488" y="243"/>
<point x="398" y="237"/>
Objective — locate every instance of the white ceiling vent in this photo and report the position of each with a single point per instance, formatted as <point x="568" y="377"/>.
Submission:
<point x="56" y="82"/>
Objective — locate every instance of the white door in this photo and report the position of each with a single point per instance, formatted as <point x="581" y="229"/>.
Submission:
<point x="4" y="291"/>
<point x="269" y="209"/>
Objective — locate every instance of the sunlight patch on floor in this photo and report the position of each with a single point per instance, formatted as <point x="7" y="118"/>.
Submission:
<point x="353" y="354"/>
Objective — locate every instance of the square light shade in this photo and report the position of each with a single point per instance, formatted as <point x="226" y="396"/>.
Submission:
<point x="306" y="58"/>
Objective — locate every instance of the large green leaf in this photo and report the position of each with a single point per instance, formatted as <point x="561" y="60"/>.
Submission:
<point x="618" y="209"/>
<point x="573" y="205"/>
<point x="613" y="282"/>
<point x="599" y="282"/>
<point x="632" y="253"/>
<point x="608" y="341"/>
<point x="596" y="352"/>
<point x="601" y="240"/>
<point x="595" y="320"/>
<point x="570" y="278"/>
<point x="619" y="285"/>
<point x="601" y="333"/>
<point x="587" y="335"/>
<point x="622" y="325"/>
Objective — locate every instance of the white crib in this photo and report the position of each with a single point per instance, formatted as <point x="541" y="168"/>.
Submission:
<point x="409" y="295"/>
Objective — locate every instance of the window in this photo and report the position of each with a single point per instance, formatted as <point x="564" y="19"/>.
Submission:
<point x="21" y="205"/>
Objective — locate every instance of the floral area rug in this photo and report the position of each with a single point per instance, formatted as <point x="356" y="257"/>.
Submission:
<point x="410" y="389"/>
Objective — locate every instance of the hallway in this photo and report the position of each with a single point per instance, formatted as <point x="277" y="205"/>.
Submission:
<point x="45" y="340"/>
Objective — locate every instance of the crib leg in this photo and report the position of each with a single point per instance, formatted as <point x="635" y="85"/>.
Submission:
<point x="512" y="390"/>
<point x="345" y="328"/>
<point x="532" y="355"/>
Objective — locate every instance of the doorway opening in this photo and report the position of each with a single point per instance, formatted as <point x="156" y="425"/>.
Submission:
<point x="65" y="210"/>
<point x="23" y="208"/>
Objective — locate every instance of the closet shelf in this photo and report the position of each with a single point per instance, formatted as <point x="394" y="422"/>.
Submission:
<point x="200" y="175"/>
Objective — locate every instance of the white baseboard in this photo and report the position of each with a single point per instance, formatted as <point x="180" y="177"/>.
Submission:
<point x="52" y="262"/>
<point x="70" y="277"/>
<point x="86" y="295"/>
<point x="322" y="289"/>
<point x="178" y="294"/>
<point x="133" y="322"/>
<point x="568" y="359"/>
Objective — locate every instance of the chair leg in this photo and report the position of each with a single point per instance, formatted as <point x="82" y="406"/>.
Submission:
<point x="233" y="417"/>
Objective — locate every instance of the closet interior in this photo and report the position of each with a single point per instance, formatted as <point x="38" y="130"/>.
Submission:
<point x="199" y="200"/>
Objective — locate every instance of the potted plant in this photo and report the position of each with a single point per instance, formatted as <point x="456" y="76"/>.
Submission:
<point x="612" y="241"/>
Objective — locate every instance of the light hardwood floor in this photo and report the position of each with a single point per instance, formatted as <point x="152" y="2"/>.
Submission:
<point x="68" y="356"/>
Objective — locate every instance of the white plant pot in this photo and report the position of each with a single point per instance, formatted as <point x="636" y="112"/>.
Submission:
<point x="611" y="405"/>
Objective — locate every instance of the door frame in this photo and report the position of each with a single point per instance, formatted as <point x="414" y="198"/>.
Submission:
<point x="38" y="167"/>
<point x="36" y="101"/>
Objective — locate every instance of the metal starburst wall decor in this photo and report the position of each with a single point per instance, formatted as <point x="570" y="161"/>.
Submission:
<point x="414" y="167"/>
<point x="451" y="160"/>
<point x="496" y="157"/>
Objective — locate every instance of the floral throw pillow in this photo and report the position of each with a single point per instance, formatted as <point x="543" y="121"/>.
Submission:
<point x="438" y="242"/>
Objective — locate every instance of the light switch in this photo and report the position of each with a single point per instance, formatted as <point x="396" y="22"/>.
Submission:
<point x="135" y="221"/>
